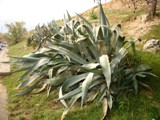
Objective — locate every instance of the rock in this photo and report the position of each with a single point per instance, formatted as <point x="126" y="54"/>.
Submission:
<point x="152" y="45"/>
<point x="144" y="18"/>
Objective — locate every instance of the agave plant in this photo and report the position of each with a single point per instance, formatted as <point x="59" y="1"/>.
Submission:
<point x="82" y="62"/>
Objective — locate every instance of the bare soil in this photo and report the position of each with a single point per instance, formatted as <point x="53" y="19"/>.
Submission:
<point x="3" y="91"/>
<point x="138" y="28"/>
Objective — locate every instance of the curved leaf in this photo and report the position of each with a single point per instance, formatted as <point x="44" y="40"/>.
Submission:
<point x="73" y="80"/>
<point x="104" y="62"/>
<point x="85" y="86"/>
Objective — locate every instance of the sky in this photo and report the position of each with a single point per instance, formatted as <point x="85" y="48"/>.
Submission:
<point x="34" y="12"/>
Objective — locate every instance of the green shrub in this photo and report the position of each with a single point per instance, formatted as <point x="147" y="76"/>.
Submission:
<point x="83" y="62"/>
<point x="93" y="16"/>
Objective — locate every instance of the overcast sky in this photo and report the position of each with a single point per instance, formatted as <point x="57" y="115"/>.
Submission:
<point x="33" y="12"/>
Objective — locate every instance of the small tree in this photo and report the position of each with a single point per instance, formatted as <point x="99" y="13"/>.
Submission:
<point x="16" y="32"/>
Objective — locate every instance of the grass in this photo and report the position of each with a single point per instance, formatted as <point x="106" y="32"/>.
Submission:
<point x="122" y="15"/>
<point x="154" y="33"/>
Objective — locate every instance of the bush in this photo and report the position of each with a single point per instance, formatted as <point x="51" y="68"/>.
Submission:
<point x="93" y="16"/>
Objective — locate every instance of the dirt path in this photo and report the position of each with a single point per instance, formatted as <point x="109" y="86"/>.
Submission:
<point x="3" y="92"/>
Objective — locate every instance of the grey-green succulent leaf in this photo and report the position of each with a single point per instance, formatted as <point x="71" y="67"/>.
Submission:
<point x="85" y="86"/>
<point x="105" y="64"/>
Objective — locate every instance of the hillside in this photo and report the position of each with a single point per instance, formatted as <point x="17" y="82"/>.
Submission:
<point x="133" y="24"/>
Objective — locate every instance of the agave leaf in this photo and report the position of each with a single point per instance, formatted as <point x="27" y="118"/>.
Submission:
<point x="117" y="36"/>
<point x="54" y="25"/>
<point x="114" y="43"/>
<point x="28" y="72"/>
<point x="42" y="50"/>
<point x="90" y="33"/>
<point x="104" y="62"/>
<point x="143" y="67"/>
<point x="66" y="45"/>
<point x="80" y="39"/>
<point x="119" y="27"/>
<point x="145" y="85"/>
<point x="58" y="37"/>
<point x="96" y="82"/>
<point x="85" y="86"/>
<point x="29" y="81"/>
<point x="38" y="54"/>
<point x="54" y="81"/>
<point x="64" y="114"/>
<point x="109" y="100"/>
<point x="132" y="44"/>
<point x="42" y="61"/>
<point x="71" y="26"/>
<point x="67" y="52"/>
<point x="50" y="73"/>
<point x="135" y="84"/>
<point x="42" y="88"/>
<point x="29" y="89"/>
<point x="48" y="90"/>
<point x="62" y="69"/>
<point x="62" y="100"/>
<point x="92" y="96"/>
<point x="25" y="59"/>
<point x="80" y="31"/>
<point x="103" y="18"/>
<point x="90" y="66"/>
<point x="98" y="33"/>
<point x="73" y="80"/>
<point x="71" y="93"/>
<point x="105" y="108"/>
<point x="140" y="75"/>
<point x="69" y="17"/>
<point x="102" y="93"/>
<point x="57" y="61"/>
<point x="87" y="23"/>
<point x="56" y="67"/>
<point x="149" y="73"/>
<point x="73" y="100"/>
<point x="105" y="30"/>
<point x="119" y="43"/>
<point x="93" y="49"/>
<point x="68" y="29"/>
<point x="115" y="61"/>
<point x="83" y="50"/>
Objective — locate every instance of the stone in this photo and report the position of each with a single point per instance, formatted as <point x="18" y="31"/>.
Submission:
<point x="144" y="18"/>
<point x="152" y="45"/>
